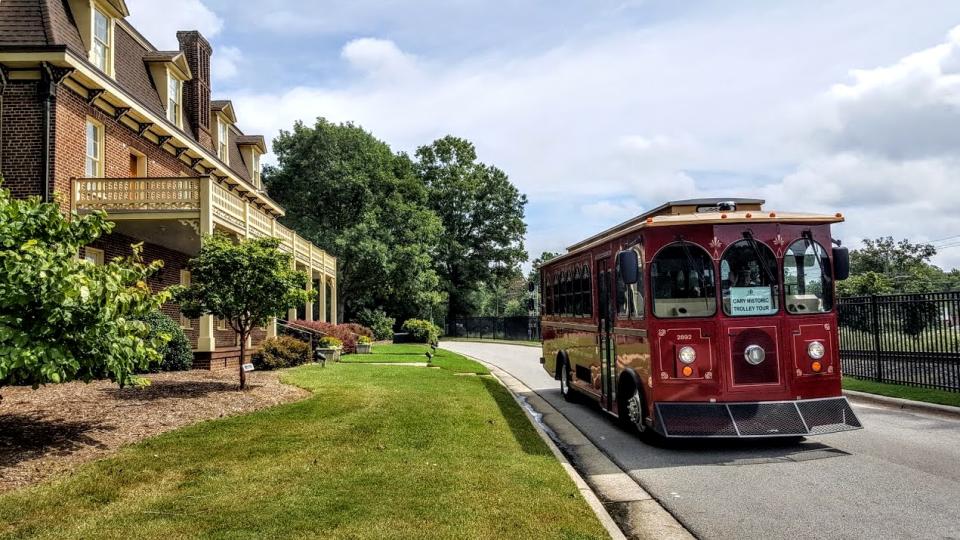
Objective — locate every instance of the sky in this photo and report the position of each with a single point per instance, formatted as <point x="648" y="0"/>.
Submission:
<point x="600" y="109"/>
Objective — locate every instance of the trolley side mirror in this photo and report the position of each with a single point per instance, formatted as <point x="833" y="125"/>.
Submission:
<point x="628" y="266"/>
<point x="841" y="263"/>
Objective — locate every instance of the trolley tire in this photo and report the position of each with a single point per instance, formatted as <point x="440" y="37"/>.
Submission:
<point x="566" y="382"/>
<point x="633" y="409"/>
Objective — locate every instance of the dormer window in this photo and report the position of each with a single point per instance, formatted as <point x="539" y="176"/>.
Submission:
<point x="256" y="170"/>
<point x="101" y="53"/>
<point x="223" y="131"/>
<point x="174" y="96"/>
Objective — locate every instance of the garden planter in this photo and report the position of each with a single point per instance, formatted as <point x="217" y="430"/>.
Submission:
<point x="364" y="348"/>
<point x="333" y="355"/>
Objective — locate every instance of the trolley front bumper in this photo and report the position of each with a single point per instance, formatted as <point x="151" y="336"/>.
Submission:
<point x="755" y="419"/>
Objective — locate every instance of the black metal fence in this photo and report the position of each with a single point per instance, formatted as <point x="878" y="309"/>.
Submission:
<point x="511" y="328"/>
<point x="910" y="339"/>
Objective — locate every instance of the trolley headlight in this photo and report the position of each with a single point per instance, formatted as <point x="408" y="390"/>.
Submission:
<point x="687" y="354"/>
<point x="754" y="355"/>
<point x="815" y="350"/>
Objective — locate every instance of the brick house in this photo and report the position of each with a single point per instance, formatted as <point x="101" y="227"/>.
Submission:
<point x="94" y="116"/>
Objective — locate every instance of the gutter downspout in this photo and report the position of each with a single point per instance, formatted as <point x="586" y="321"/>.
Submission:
<point x="50" y="78"/>
<point x="3" y="88"/>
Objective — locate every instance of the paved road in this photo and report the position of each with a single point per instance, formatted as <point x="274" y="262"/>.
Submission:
<point x="897" y="478"/>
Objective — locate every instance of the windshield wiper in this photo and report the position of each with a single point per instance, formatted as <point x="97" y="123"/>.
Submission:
<point x="756" y="251"/>
<point x="700" y="270"/>
<point x="808" y="238"/>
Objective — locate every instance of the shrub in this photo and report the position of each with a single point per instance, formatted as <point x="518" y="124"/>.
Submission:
<point x="281" y="352"/>
<point x="421" y="331"/>
<point x="339" y="331"/>
<point x="176" y="354"/>
<point x="358" y="329"/>
<point x="378" y="321"/>
<point x="330" y="342"/>
<point x="364" y="340"/>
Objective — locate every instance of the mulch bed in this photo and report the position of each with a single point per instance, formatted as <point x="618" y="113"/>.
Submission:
<point x="57" y="427"/>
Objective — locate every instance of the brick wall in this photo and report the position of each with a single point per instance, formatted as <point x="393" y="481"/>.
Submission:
<point x="118" y="245"/>
<point x="21" y="147"/>
<point x="119" y="140"/>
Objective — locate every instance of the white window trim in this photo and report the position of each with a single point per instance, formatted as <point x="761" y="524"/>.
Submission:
<point x="223" y="140"/>
<point x="221" y="324"/>
<point x="109" y="45"/>
<point x="98" y="159"/>
<point x="255" y="171"/>
<point x="177" y="119"/>
<point x="95" y="254"/>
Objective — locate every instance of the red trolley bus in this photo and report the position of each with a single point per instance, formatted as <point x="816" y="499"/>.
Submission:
<point x="702" y="318"/>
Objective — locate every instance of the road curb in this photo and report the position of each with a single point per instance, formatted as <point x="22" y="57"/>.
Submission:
<point x="903" y="404"/>
<point x="624" y="508"/>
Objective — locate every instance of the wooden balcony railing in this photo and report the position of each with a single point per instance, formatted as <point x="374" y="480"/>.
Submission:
<point x="137" y="194"/>
<point x="184" y="195"/>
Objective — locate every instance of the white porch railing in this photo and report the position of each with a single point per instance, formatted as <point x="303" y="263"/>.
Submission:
<point x="178" y="195"/>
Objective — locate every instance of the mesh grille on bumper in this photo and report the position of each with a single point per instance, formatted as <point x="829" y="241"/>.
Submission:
<point x="759" y="419"/>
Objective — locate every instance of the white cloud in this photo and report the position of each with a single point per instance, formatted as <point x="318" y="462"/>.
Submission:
<point x="379" y="58"/>
<point x="160" y="21"/>
<point x="605" y="123"/>
<point x="225" y="62"/>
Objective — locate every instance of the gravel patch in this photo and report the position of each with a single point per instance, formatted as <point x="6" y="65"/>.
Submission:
<point x="57" y="427"/>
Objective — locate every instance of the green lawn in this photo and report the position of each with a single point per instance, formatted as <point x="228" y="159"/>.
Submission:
<point x="376" y="452"/>
<point x="412" y="352"/>
<point x="929" y="395"/>
<point x="490" y="340"/>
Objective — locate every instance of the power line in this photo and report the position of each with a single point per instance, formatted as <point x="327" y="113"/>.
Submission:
<point x="944" y="238"/>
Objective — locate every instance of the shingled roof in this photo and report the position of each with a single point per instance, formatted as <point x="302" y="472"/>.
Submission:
<point x="45" y="23"/>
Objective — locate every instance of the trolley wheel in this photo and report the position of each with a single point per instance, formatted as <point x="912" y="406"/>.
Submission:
<point x="566" y="383"/>
<point x="633" y="409"/>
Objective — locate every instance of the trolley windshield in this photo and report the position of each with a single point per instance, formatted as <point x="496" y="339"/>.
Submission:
<point x="682" y="280"/>
<point x="748" y="277"/>
<point x="807" y="280"/>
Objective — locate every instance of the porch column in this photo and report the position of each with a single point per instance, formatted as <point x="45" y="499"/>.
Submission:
<point x="309" y="307"/>
<point x="272" y="327"/>
<point x="206" y="340"/>
<point x="333" y="301"/>
<point x="322" y="298"/>
<point x="292" y="312"/>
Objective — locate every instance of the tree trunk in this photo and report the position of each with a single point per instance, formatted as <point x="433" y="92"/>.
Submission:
<point x="243" y="356"/>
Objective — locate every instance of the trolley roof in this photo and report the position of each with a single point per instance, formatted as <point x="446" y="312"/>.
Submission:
<point x="700" y="211"/>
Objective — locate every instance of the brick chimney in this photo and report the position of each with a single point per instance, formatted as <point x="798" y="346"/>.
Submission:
<point x="196" y="92"/>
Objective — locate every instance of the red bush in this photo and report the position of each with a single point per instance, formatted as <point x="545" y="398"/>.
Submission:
<point x="347" y="333"/>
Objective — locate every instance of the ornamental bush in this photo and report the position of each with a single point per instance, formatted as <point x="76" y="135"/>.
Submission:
<point x="339" y="331"/>
<point x="379" y="322"/>
<point x="177" y="355"/>
<point x="62" y="318"/>
<point x="330" y="342"/>
<point x="358" y="329"/>
<point x="281" y="352"/>
<point x="421" y="331"/>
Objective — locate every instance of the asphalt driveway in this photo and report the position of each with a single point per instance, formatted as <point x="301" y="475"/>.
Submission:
<point x="897" y="478"/>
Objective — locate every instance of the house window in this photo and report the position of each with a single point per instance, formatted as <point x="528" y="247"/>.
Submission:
<point x="173" y="99"/>
<point x="93" y="255"/>
<point x="101" y="51"/>
<point x="138" y="164"/>
<point x="221" y="324"/>
<point x="256" y="170"/>
<point x="185" y="281"/>
<point x="94" y="158"/>
<point x="222" y="140"/>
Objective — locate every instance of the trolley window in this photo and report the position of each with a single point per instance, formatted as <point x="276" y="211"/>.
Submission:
<point x="683" y="282"/>
<point x="748" y="277"/>
<point x="630" y="297"/>
<point x="587" y="293"/>
<point x="807" y="280"/>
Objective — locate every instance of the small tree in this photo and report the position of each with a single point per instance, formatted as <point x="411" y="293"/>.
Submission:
<point x="63" y="318"/>
<point x="245" y="283"/>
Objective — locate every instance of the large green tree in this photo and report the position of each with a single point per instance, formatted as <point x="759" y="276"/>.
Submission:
<point x="884" y="265"/>
<point x="63" y="318"/>
<point x="244" y="282"/>
<point x="482" y="216"/>
<point x="351" y="195"/>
